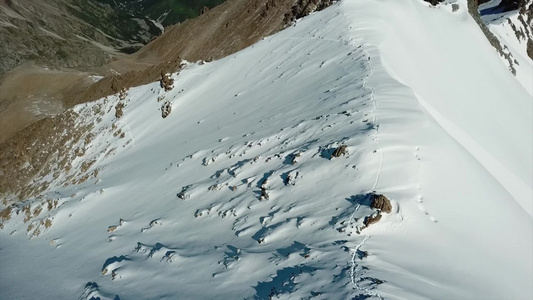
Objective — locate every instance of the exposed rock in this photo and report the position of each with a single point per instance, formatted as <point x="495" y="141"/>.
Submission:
<point x="291" y="178"/>
<point x="122" y="94"/>
<point x="434" y="2"/>
<point x="214" y="187"/>
<point x="204" y="10"/>
<point x="183" y="194"/>
<point x="340" y="151"/>
<point x="526" y="18"/>
<point x="166" y="82"/>
<point x="54" y="154"/>
<point x="372" y="219"/>
<point x="295" y="158"/>
<point x="5" y="214"/>
<point x="113" y="84"/>
<point x="166" y="109"/>
<point x="530" y="48"/>
<point x="119" y="110"/>
<point x="264" y="194"/>
<point x="493" y="40"/>
<point x="304" y="7"/>
<point x="382" y="203"/>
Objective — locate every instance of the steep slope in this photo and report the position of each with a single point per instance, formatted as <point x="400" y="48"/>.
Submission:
<point x="49" y="47"/>
<point x="67" y="33"/>
<point x="227" y="186"/>
<point x="166" y="12"/>
<point x="230" y="27"/>
<point x="513" y="28"/>
<point x="203" y="38"/>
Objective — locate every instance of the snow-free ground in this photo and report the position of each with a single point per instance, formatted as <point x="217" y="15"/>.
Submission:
<point x="430" y="116"/>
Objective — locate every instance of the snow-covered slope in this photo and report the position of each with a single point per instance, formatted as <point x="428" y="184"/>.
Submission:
<point x="176" y="208"/>
<point x="512" y="29"/>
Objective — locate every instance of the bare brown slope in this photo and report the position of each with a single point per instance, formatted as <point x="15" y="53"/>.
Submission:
<point x="228" y="28"/>
<point x="50" y="33"/>
<point x="30" y="93"/>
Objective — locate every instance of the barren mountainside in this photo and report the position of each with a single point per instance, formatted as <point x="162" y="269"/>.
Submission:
<point x="166" y="12"/>
<point x="66" y="33"/>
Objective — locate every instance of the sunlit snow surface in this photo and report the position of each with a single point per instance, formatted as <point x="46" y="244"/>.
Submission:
<point x="430" y="117"/>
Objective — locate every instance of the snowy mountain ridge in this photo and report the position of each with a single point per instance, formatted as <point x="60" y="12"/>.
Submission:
<point x="227" y="186"/>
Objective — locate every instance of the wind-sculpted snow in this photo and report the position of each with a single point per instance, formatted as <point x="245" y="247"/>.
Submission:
<point x="258" y="184"/>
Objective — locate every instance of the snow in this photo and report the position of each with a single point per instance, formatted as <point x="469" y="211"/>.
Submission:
<point x="52" y="34"/>
<point x="430" y="116"/>
<point x="96" y="78"/>
<point x="158" y="25"/>
<point x="500" y="25"/>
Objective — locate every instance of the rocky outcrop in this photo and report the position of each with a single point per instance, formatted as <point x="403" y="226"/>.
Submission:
<point x="166" y="109"/>
<point x="204" y="10"/>
<point x="493" y="40"/>
<point x="381" y="203"/>
<point x="434" y="2"/>
<point x="166" y="82"/>
<point x="228" y="28"/>
<point x="303" y="8"/>
<point x="372" y="219"/>
<point x="113" y="84"/>
<point x="526" y="19"/>
<point x="340" y="151"/>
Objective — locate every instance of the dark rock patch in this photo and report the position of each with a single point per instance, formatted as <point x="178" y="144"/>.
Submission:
<point x="166" y="82"/>
<point x="372" y="219"/>
<point x="434" y="2"/>
<point x="382" y="203"/>
<point x="119" y="110"/>
<point x="166" y="109"/>
<point x="340" y="151"/>
<point x="305" y="7"/>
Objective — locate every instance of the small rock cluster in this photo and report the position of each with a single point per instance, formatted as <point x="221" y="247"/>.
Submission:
<point x="119" y="110"/>
<point x="166" y="82"/>
<point x="340" y="151"/>
<point x="381" y="204"/>
<point x="166" y="109"/>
